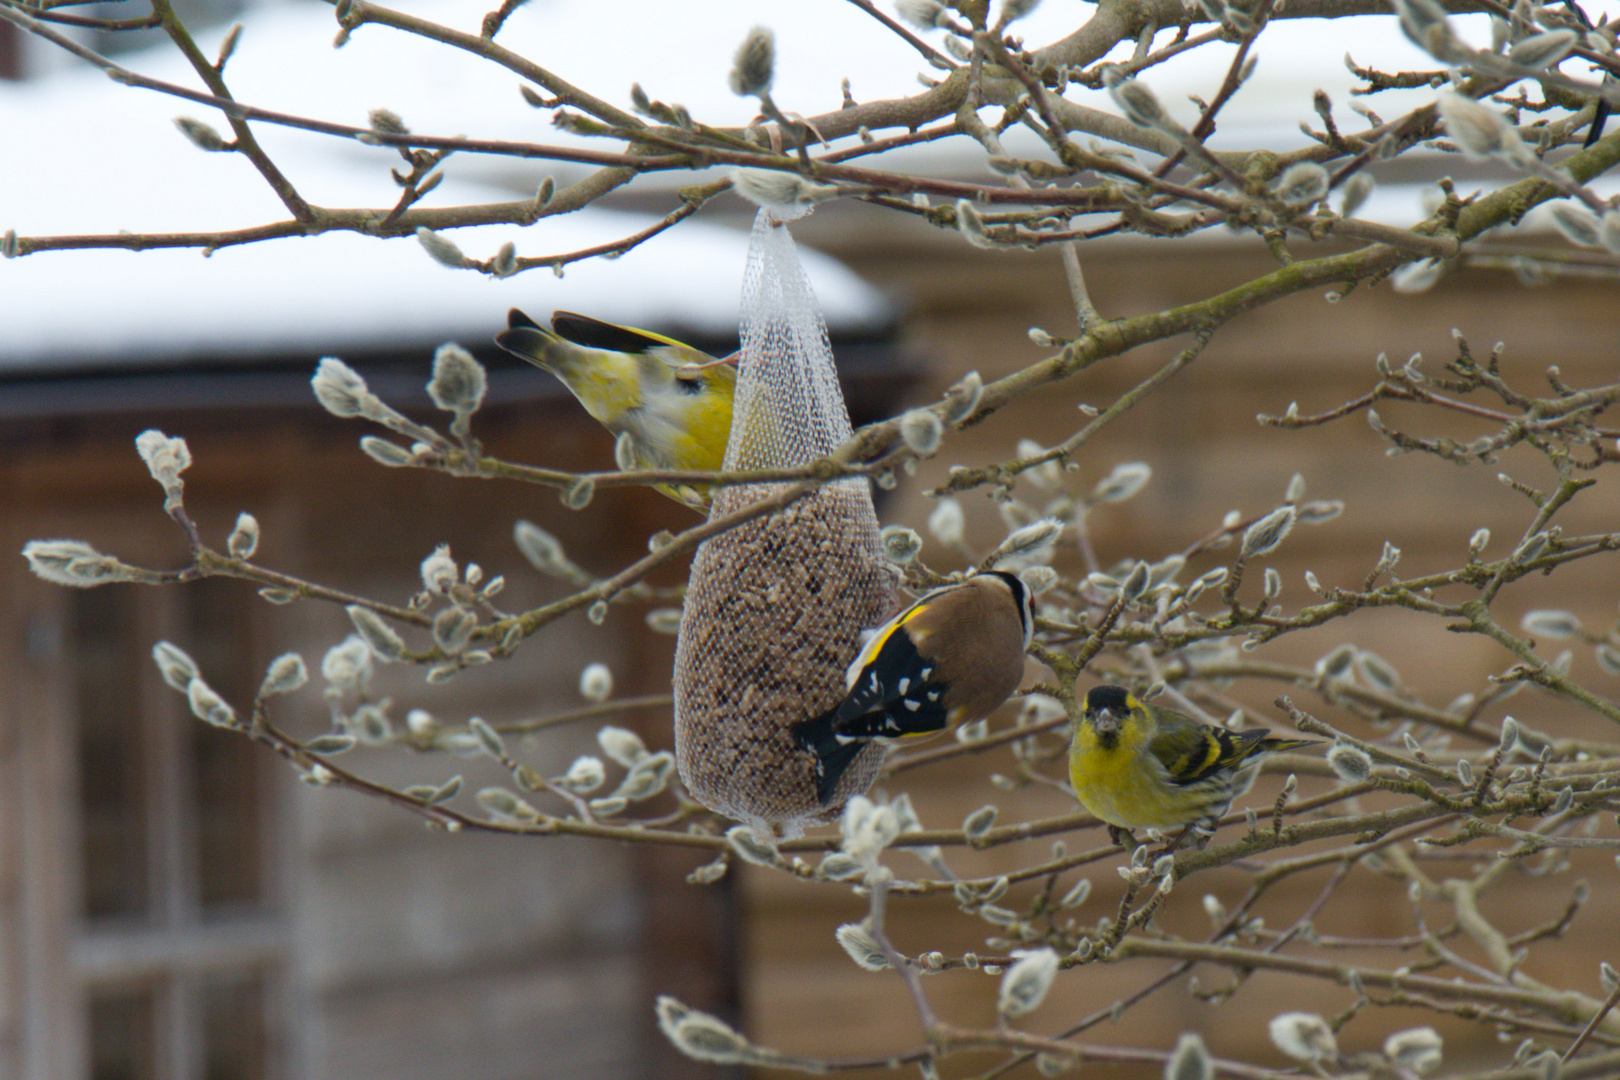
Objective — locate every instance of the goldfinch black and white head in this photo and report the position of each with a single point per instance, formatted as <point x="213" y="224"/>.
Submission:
<point x="952" y="657"/>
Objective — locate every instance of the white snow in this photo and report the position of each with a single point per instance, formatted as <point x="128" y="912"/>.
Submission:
<point x="85" y="154"/>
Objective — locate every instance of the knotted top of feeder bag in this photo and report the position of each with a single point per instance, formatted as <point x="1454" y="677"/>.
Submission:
<point x="775" y="607"/>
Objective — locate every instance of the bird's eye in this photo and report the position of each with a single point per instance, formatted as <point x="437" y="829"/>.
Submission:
<point x="689" y="384"/>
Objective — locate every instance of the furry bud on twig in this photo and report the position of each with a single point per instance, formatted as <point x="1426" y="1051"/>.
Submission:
<point x="1303" y="1036"/>
<point x="173" y="663"/>
<point x="244" y="538"/>
<point x="489" y="740"/>
<point x="946" y="523"/>
<point x="166" y="458"/>
<point x="227" y="47"/>
<point x="285" y="674"/>
<point x="443" y="250"/>
<point x="1356" y="191"/>
<point x="347" y="665"/>
<point x="1479" y="131"/>
<point x="458" y="382"/>
<point x="1418" y="1049"/>
<point x="1349" y="762"/>
<point x="1578" y="224"/>
<point x="862" y="947"/>
<point x="622" y="745"/>
<point x="1124" y="482"/>
<point x="773" y="187"/>
<point x="584" y="775"/>
<point x="452" y="629"/>
<point x="1551" y="623"/>
<point x="1263" y="536"/>
<point x="1139" y="104"/>
<point x="1026" y="982"/>
<point x="208" y="706"/>
<point x="1302" y="184"/>
<point x="439" y="571"/>
<point x="386" y="122"/>
<point x="381" y="638"/>
<point x="339" y="388"/>
<point x="923" y="14"/>
<point x="963" y="398"/>
<point x="1030" y="542"/>
<point x="978" y="823"/>
<point x="543" y="550"/>
<point x="700" y="1036"/>
<point x="900" y="544"/>
<point x="921" y="431"/>
<point x="1609" y="231"/>
<point x="1038" y="579"/>
<point x="1190" y="1059"/>
<point x="752" y="67"/>
<point x="971" y="225"/>
<point x="1415" y="277"/>
<point x="595" y="682"/>
<point x="1545" y="49"/>
<point x="504" y="264"/>
<point x="75" y="564"/>
<point x="202" y="136"/>
<point x="384" y="452"/>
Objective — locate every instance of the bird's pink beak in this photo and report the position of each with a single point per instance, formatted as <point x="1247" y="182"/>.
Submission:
<point x="1104" y="720"/>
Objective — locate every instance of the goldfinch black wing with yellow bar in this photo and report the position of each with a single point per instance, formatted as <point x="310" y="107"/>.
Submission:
<point x="953" y="656"/>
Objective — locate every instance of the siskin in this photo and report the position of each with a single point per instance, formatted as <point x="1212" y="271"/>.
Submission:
<point x="670" y="401"/>
<point x="950" y="658"/>
<point x="1143" y="766"/>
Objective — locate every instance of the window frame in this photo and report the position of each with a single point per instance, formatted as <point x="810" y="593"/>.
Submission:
<point x="61" y="957"/>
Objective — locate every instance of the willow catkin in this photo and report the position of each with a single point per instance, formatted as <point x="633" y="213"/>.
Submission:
<point x="773" y="616"/>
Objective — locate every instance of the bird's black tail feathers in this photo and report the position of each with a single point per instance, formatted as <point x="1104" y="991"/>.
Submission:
<point x="833" y="755"/>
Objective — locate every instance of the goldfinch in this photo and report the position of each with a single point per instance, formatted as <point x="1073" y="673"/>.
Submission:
<point x="951" y="657"/>
<point x="670" y="403"/>
<point x="1144" y="766"/>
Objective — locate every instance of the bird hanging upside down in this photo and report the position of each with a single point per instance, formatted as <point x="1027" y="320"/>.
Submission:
<point x="670" y="404"/>
<point x="950" y="658"/>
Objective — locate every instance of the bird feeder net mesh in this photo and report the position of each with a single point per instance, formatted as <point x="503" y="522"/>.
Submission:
<point x="775" y="607"/>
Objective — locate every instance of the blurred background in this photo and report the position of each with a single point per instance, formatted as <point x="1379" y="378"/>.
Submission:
<point x="174" y="904"/>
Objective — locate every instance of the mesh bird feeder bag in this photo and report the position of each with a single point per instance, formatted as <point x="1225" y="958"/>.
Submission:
<point x="775" y="607"/>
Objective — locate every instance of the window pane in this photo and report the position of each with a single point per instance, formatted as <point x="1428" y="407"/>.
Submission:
<point x="122" y="1046"/>
<point x="226" y="773"/>
<point x="235" y="1043"/>
<point x="111" y="753"/>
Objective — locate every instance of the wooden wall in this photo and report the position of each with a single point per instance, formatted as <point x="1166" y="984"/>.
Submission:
<point x="413" y="954"/>
<point x="398" y="952"/>
<point x="970" y="310"/>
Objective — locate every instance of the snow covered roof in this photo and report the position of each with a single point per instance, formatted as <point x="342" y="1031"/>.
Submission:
<point x="88" y="155"/>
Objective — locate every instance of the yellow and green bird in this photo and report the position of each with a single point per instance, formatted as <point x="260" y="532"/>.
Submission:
<point x="1140" y="766"/>
<point x="669" y="403"/>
